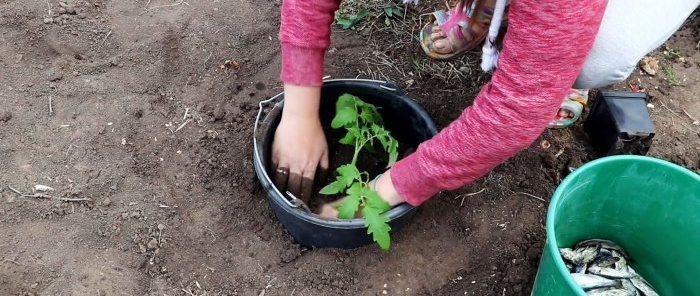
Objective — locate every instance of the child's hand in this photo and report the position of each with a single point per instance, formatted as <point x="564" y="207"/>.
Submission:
<point x="329" y="210"/>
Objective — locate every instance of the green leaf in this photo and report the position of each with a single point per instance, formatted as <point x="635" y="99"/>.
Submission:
<point x="344" y="22"/>
<point x="352" y="134"/>
<point x="345" y="101"/>
<point x="355" y="189"/>
<point x="377" y="225"/>
<point x="389" y="143"/>
<point x="344" y="117"/>
<point x="349" y="139"/>
<point x="393" y="156"/>
<point x="334" y="187"/>
<point x="348" y="22"/>
<point x="388" y="11"/>
<point x="373" y="200"/>
<point x="349" y="206"/>
<point x="347" y="174"/>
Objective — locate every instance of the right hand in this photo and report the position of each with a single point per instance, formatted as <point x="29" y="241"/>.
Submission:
<point x="299" y="149"/>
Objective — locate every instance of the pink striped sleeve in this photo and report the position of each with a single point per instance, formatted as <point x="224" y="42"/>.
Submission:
<point x="543" y="52"/>
<point x="304" y="36"/>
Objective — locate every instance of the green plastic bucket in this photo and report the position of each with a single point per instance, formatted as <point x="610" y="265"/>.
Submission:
<point x="649" y="206"/>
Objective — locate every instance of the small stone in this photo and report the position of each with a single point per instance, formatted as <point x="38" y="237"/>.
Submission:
<point x="70" y="9"/>
<point x="48" y="20"/>
<point x="106" y="202"/>
<point x="55" y="75"/>
<point x="135" y="214"/>
<point x="10" y="198"/>
<point x="125" y="216"/>
<point x="113" y="187"/>
<point x="63" y="4"/>
<point x="5" y="116"/>
<point x="34" y="285"/>
<point x="219" y="113"/>
<point x="81" y="16"/>
<point x="61" y="10"/>
<point x="464" y="69"/>
<point x="142" y="248"/>
<point x="161" y="226"/>
<point x="152" y="244"/>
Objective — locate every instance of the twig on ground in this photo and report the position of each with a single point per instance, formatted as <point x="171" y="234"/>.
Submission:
<point x="161" y="6"/>
<point x="207" y="60"/>
<point x="182" y="125"/>
<point x="46" y="196"/>
<point x="49" y="4"/>
<point x="695" y="121"/>
<point x="50" y="106"/>
<point x="149" y="3"/>
<point x="15" y="190"/>
<point x="468" y="194"/>
<point x="104" y="40"/>
<point x="559" y="153"/>
<point x="36" y="195"/>
<point x="218" y="30"/>
<point x="73" y="199"/>
<point x="533" y="196"/>
<point x="166" y="206"/>
<point x="674" y="114"/>
<point x="10" y="260"/>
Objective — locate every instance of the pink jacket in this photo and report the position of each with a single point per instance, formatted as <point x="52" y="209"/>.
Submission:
<point x="543" y="51"/>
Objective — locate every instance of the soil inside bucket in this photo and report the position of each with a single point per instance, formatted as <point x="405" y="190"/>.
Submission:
<point x="341" y="154"/>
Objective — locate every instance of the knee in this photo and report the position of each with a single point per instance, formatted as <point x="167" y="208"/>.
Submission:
<point x="600" y="74"/>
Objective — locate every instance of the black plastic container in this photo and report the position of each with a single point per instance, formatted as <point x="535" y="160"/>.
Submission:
<point x="404" y="118"/>
<point x="619" y="123"/>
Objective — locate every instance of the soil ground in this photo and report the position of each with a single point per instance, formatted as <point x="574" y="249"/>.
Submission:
<point x="133" y="105"/>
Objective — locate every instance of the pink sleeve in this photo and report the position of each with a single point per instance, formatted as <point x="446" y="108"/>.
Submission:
<point x="543" y="52"/>
<point x="304" y="35"/>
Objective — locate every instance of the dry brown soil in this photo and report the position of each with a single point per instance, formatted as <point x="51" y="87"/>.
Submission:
<point x="131" y="104"/>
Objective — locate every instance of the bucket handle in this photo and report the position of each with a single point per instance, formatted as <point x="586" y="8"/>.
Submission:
<point x="289" y="198"/>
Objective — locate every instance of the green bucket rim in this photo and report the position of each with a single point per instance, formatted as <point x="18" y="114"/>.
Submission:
<point x="551" y="243"/>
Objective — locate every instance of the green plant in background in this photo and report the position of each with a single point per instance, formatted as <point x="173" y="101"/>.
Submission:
<point x="671" y="53"/>
<point x="348" y="21"/>
<point x="670" y="75"/>
<point x="391" y="11"/>
<point x="364" y="126"/>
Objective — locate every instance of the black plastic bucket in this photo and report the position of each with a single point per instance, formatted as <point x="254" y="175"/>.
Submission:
<point x="404" y="118"/>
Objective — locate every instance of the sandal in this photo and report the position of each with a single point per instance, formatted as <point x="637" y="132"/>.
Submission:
<point x="467" y="15"/>
<point x="571" y="108"/>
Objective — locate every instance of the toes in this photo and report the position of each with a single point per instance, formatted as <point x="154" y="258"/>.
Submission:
<point x="442" y="46"/>
<point x="437" y="36"/>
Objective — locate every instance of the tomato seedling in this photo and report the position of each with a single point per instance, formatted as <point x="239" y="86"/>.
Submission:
<point x="364" y="126"/>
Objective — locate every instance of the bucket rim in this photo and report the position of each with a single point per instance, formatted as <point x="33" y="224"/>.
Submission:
<point x="551" y="240"/>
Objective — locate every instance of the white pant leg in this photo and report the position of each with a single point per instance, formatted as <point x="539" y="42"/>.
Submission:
<point x="630" y="29"/>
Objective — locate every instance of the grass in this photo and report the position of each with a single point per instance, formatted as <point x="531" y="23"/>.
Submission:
<point x="670" y="76"/>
